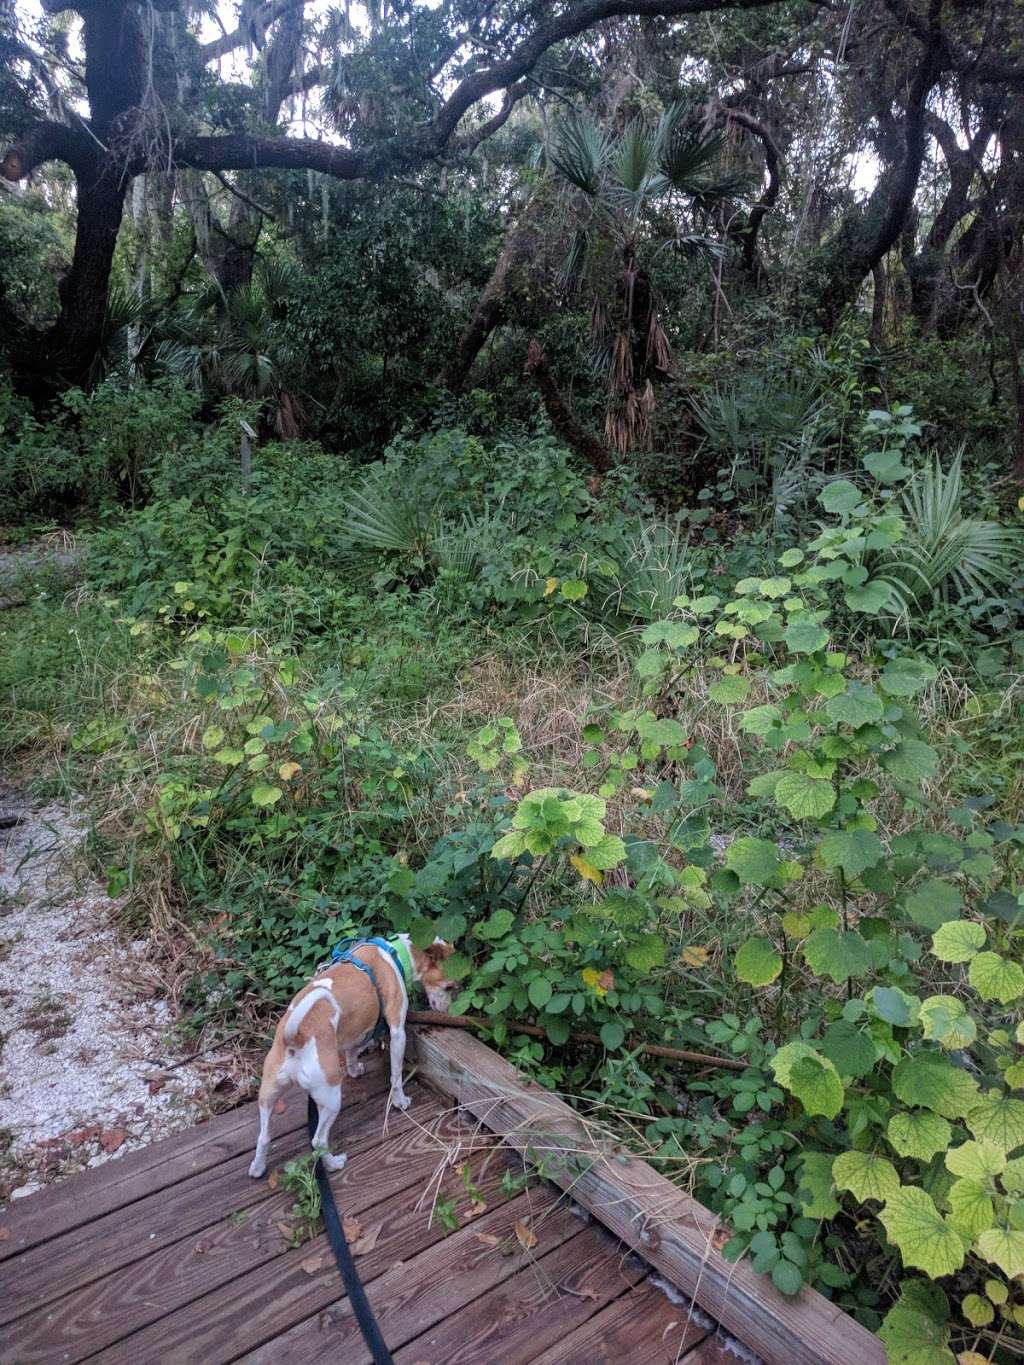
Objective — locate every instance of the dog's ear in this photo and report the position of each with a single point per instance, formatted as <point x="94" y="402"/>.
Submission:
<point x="437" y="952"/>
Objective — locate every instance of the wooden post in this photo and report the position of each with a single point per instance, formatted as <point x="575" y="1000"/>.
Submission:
<point x="248" y="436"/>
<point x="678" y="1236"/>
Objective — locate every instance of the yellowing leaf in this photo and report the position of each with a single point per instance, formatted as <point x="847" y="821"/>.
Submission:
<point x="550" y="585"/>
<point x="525" y="1235"/>
<point x="595" y="980"/>
<point x="288" y="770"/>
<point x="1004" y="1247"/>
<point x="587" y="871"/>
<point x="693" y="956"/>
<point x="925" y="1239"/>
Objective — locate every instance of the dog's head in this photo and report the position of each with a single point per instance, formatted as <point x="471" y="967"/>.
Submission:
<point x="435" y="980"/>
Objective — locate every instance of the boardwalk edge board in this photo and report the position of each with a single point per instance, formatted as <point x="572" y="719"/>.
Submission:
<point x="668" y="1228"/>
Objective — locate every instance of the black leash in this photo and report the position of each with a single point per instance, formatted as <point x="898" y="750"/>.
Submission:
<point x="350" y="1275"/>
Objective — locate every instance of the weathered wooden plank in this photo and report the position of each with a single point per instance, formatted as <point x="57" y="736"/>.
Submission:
<point x="161" y="1292"/>
<point x="384" y="1186"/>
<point x="412" y="1297"/>
<point x="102" y="1189"/>
<point x="641" y="1327"/>
<point x="46" y="1273"/>
<point x="672" y="1231"/>
<point x="534" y="1309"/>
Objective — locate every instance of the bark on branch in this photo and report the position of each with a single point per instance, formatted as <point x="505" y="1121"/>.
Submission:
<point x="561" y="415"/>
<point x="49" y="142"/>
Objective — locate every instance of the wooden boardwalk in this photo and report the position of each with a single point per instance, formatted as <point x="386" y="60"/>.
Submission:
<point x="174" y="1255"/>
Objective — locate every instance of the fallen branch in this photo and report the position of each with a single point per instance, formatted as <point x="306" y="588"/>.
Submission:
<point x="476" y="1021"/>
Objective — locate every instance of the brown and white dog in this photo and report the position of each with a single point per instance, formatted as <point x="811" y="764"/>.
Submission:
<point x="337" y="1012"/>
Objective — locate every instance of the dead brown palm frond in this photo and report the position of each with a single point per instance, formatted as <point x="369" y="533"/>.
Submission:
<point x="598" y="322"/>
<point x="620" y="370"/>
<point x="658" y="351"/>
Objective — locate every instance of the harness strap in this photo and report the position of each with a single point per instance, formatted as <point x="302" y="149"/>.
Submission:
<point x="345" y="952"/>
<point x="364" y="1314"/>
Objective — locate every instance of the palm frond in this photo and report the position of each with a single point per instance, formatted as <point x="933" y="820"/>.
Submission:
<point x="580" y="153"/>
<point x="378" y="516"/>
<point x="633" y="160"/>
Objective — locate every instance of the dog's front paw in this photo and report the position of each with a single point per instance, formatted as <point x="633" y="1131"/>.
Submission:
<point x="400" y="1100"/>
<point x="334" y="1163"/>
<point x="257" y="1167"/>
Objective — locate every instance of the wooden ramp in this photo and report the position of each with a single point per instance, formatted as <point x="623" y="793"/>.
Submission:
<point x="174" y="1254"/>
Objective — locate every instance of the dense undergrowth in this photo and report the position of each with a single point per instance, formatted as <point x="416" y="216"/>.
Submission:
<point x="745" y="780"/>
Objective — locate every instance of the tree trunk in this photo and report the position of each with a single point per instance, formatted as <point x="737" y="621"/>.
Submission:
<point x="562" y="417"/>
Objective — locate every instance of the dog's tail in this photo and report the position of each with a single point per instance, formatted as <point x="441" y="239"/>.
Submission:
<point x="298" y="1014"/>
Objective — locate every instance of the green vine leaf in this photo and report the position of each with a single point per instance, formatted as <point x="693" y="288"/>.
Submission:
<point x="805" y="797"/>
<point x="930" y="1080"/>
<point x="866" y="1176"/>
<point x="924" y="1238"/>
<point x="911" y="761"/>
<point x="934" y="903"/>
<point x="804" y="636"/>
<point x="858" y="705"/>
<point x="945" y="1020"/>
<point x="837" y="955"/>
<point x="919" y="1133"/>
<point x="959" y="940"/>
<point x="853" y="850"/>
<point x="815" y="1189"/>
<point x="755" y="861"/>
<point x="1004" y="1247"/>
<point x="998" y="1119"/>
<point x="976" y="1160"/>
<point x="904" y="677"/>
<point x="971" y="1210"/>
<point x="810" y="1077"/>
<point x="914" y="1330"/>
<point x="731" y="688"/>
<point x="996" y="978"/>
<point x="264" y="795"/>
<point x="757" y="963"/>
<point x="851" y="1050"/>
<point x="978" y="1311"/>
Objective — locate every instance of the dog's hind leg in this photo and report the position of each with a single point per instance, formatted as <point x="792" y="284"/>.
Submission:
<point x="398" y="1096"/>
<point x="270" y="1087"/>
<point x="327" y="1097"/>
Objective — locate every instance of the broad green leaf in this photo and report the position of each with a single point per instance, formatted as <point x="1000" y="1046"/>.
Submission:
<point x="858" y="705"/>
<point x="810" y="1077"/>
<point x="608" y="852"/>
<point x="672" y="633"/>
<point x="970" y="1208"/>
<point x="978" y="1311"/>
<point x="958" y="940"/>
<point x="613" y="1036"/>
<point x="804" y="636"/>
<point x="911" y="761"/>
<point x="865" y="1175"/>
<point x="837" y="955"/>
<point x="944" y="1019"/>
<point x="731" y="688"/>
<point x="574" y="589"/>
<point x="760" y="720"/>
<point x="924" y="1238"/>
<point x="814" y="1192"/>
<point x="930" y="1080"/>
<point x="896" y="1007"/>
<point x="666" y="732"/>
<point x="212" y="736"/>
<point x="647" y="952"/>
<point x="264" y="795"/>
<point x="510" y="845"/>
<point x="998" y="1119"/>
<point x="229" y="757"/>
<point x="854" y="850"/>
<point x="1004" y="1247"/>
<point x="919" y="1133"/>
<point x="934" y="903"/>
<point x="886" y="465"/>
<point x="757" y="963"/>
<point x="840" y="496"/>
<point x="755" y="861"/>
<point x="851" y="1051"/>
<point x="1013" y="1176"/>
<point x="996" y="978"/>
<point x="870" y="597"/>
<point x="914" y="1330"/>
<point x="904" y="677"/>
<point x="805" y="797"/>
<point x="975" y="1160"/>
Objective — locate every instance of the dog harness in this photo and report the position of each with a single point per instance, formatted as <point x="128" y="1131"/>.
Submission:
<point x="345" y="952"/>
